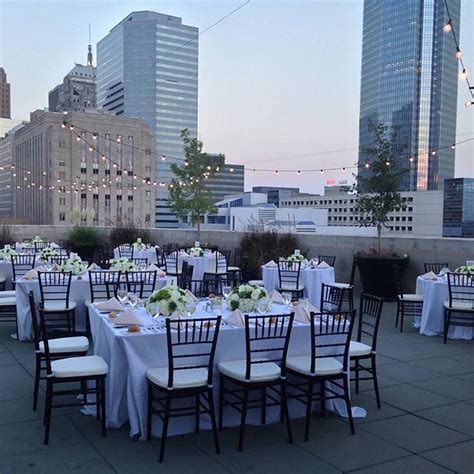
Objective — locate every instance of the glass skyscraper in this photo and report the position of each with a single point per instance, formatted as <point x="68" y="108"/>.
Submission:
<point x="409" y="81"/>
<point x="147" y="67"/>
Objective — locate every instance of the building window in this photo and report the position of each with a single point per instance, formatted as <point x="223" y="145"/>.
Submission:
<point x="130" y="198"/>
<point x="62" y="201"/>
<point x="62" y="216"/>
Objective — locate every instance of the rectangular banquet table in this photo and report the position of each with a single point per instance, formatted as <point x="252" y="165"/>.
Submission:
<point x="310" y="278"/>
<point x="435" y="293"/>
<point x="80" y="293"/>
<point x="129" y="355"/>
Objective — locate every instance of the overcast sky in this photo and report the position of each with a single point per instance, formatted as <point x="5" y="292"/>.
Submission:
<point x="277" y="80"/>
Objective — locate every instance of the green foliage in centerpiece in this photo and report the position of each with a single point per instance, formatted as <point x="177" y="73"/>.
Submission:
<point x="168" y="300"/>
<point x="246" y="297"/>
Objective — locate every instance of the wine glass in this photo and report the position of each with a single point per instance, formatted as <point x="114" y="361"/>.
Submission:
<point x="190" y="309"/>
<point x="262" y="307"/>
<point x="122" y="296"/>
<point x="286" y="297"/>
<point x="132" y="299"/>
<point x="226" y="289"/>
<point x="304" y="303"/>
<point x="142" y="266"/>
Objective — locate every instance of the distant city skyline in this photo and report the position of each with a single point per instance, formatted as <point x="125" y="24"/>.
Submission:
<point x="278" y="80"/>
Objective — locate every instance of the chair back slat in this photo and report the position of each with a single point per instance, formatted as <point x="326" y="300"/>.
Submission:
<point x="184" y="337"/>
<point x="139" y="261"/>
<point x="125" y="250"/>
<point x="21" y="264"/>
<point x="289" y="274"/>
<point x="329" y="259"/>
<point x="142" y="283"/>
<point x="34" y="320"/>
<point x="269" y="334"/>
<point x="222" y="261"/>
<point x="103" y="284"/>
<point x="369" y="318"/>
<point x="172" y="262"/>
<point x="330" y="336"/>
<point x="332" y="298"/>
<point x="55" y="287"/>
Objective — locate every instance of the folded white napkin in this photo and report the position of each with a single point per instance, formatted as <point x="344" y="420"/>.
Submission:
<point x="93" y="267"/>
<point x="192" y="296"/>
<point x="323" y="264"/>
<point x="429" y="276"/>
<point x="113" y="304"/>
<point x="152" y="268"/>
<point x="313" y="262"/>
<point x="236" y="318"/>
<point x="128" y="318"/>
<point x="271" y="264"/>
<point x="31" y="275"/>
<point x="302" y="313"/>
<point x="276" y="297"/>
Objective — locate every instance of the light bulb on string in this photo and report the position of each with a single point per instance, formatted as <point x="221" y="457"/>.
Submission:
<point x="453" y="146"/>
<point x="463" y="74"/>
<point x="458" y="53"/>
<point x="78" y="138"/>
<point x="276" y="171"/>
<point x="299" y="172"/>
<point x="448" y="26"/>
<point x="63" y="125"/>
<point x="367" y="165"/>
<point x="94" y="136"/>
<point x="163" y="157"/>
<point x="411" y="159"/>
<point x="231" y="170"/>
<point x="469" y="103"/>
<point x="322" y="171"/>
<point x="343" y="170"/>
<point x="433" y="152"/>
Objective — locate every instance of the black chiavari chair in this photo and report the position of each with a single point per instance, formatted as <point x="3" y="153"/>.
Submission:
<point x="191" y="350"/>
<point x="289" y="278"/>
<point x="332" y="298"/>
<point x="219" y="274"/>
<point x="59" y="348"/>
<point x="329" y="259"/>
<point x="140" y="262"/>
<point x="21" y="265"/>
<point x="142" y="283"/>
<point x="364" y="348"/>
<point x="263" y="370"/>
<point x="186" y="276"/>
<point x="57" y="259"/>
<point x="86" y="370"/>
<point x="103" y="284"/>
<point x="55" y="288"/>
<point x="172" y="263"/>
<point x="435" y="267"/>
<point x="328" y="362"/>
<point x="125" y="250"/>
<point x="459" y="308"/>
<point x="41" y="245"/>
<point x="349" y="287"/>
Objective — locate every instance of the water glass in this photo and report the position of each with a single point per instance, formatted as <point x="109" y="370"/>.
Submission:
<point x="122" y="296"/>
<point x="132" y="299"/>
<point x="262" y="307"/>
<point x="286" y="297"/>
<point x="190" y="309"/>
<point x="226" y="289"/>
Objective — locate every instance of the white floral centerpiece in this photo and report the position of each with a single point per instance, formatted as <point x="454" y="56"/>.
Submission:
<point x="168" y="300"/>
<point x="7" y="252"/>
<point x="48" y="252"/>
<point x="466" y="269"/>
<point x="36" y="239"/>
<point x="195" y="252"/>
<point x="73" y="264"/>
<point x="139" y="245"/>
<point x="247" y="297"/>
<point x="123" y="264"/>
<point x="296" y="257"/>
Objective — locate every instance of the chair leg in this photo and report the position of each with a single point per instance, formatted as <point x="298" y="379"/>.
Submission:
<point x="309" y="401"/>
<point x="264" y="406"/>
<point x="447" y="315"/>
<point x="356" y="375"/>
<point x="285" y="411"/>
<point x="348" y="404"/>
<point x="48" y="408"/>
<point x="221" y="402"/>
<point x="149" y="414"/>
<point x="212" y="414"/>
<point x="402" y="316"/>
<point x="103" y="407"/>
<point x="323" y="399"/>
<point x="36" y="382"/>
<point x="376" y="383"/>
<point x="243" y="418"/>
<point x="164" y="432"/>
<point x="97" y="398"/>
<point x="398" y="314"/>
<point x="197" y="414"/>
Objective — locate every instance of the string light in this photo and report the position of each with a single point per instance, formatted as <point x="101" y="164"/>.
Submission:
<point x="163" y="157"/>
<point x="447" y="28"/>
<point x="463" y="74"/>
<point x="469" y="103"/>
<point x="458" y="53"/>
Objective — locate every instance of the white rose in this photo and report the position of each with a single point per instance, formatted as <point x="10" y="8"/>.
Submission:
<point x="255" y="295"/>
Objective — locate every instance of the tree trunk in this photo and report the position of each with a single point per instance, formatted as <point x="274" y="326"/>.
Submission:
<point x="379" y="239"/>
<point x="199" y="229"/>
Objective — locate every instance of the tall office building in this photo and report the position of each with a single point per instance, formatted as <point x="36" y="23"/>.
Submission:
<point x="147" y="67"/>
<point x="78" y="89"/>
<point x="409" y="81"/>
<point x="5" y="110"/>
<point x="230" y="179"/>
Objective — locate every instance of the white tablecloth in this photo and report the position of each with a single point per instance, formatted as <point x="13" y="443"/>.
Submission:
<point x="200" y="265"/>
<point x="19" y="246"/>
<point x="435" y="293"/>
<point x="129" y="355"/>
<point x="80" y="293"/>
<point x="311" y="278"/>
<point x="7" y="272"/>
<point x="149" y="254"/>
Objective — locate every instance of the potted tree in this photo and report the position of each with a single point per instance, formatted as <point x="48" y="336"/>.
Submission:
<point x="189" y="196"/>
<point x="378" y="195"/>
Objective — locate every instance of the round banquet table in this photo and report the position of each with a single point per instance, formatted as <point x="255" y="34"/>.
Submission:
<point x="149" y="254"/>
<point x="310" y="278"/>
<point x="200" y="265"/>
<point x="6" y="271"/>
<point x="431" y="323"/>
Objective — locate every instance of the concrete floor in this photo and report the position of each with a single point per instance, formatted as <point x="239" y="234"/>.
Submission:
<point x="426" y="423"/>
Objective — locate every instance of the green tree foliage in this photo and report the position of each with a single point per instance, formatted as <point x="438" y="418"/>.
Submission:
<point x="378" y="188"/>
<point x="188" y="194"/>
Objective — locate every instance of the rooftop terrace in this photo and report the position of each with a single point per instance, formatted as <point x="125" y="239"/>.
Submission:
<point x="426" y="423"/>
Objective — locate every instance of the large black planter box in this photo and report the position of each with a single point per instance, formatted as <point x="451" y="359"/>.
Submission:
<point x="381" y="276"/>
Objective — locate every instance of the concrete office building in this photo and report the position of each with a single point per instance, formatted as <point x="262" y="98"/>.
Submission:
<point x="58" y="171"/>
<point x="410" y="81"/>
<point x="421" y="215"/>
<point x="276" y="194"/>
<point x="230" y="179"/>
<point x="5" y="105"/>
<point x="147" y="67"/>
